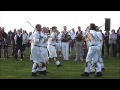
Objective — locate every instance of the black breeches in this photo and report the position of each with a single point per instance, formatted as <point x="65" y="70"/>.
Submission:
<point x="5" y="53"/>
<point x="107" y="47"/>
<point x="24" y="46"/>
<point x="113" y="50"/>
<point x="118" y="49"/>
<point x="0" y="48"/>
<point x="103" y="49"/>
<point x="16" y="51"/>
<point x="13" y="50"/>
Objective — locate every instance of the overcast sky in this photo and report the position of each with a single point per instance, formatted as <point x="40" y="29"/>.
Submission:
<point x="71" y="19"/>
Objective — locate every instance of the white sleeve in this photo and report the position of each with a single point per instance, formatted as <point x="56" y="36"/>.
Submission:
<point x="27" y="37"/>
<point x="99" y="35"/>
<point x="110" y="36"/>
<point x="52" y="35"/>
<point x="43" y="35"/>
<point x="115" y="38"/>
<point x="70" y="33"/>
<point x="93" y="33"/>
<point x="30" y="37"/>
<point x="59" y="37"/>
<point x="36" y="39"/>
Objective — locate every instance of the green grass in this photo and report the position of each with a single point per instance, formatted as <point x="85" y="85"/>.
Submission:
<point x="10" y="69"/>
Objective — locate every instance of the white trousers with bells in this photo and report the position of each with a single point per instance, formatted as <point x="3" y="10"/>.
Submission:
<point x="37" y="57"/>
<point x="91" y="54"/>
<point x="65" y="50"/>
<point x="52" y="51"/>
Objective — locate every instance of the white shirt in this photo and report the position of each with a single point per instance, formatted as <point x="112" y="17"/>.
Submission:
<point x="25" y="38"/>
<point x="52" y="36"/>
<point x="37" y="38"/>
<point x="72" y="34"/>
<point x="100" y="38"/>
<point x="45" y="36"/>
<point x="87" y="41"/>
<point x="112" y="38"/>
<point x="31" y="39"/>
<point x="83" y="33"/>
<point x="94" y="38"/>
<point x="58" y="38"/>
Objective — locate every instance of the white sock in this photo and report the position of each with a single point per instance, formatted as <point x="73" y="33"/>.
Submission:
<point x="98" y="67"/>
<point x="87" y="69"/>
<point x="34" y="67"/>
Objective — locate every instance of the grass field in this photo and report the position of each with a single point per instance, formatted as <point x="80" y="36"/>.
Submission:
<point x="10" y="69"/>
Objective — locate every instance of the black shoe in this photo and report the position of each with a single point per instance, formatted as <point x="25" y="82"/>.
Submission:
<point x="59" y="65"/>
<point x="85" y="74"/>
<point x="98" y="74"/>
<point x="92" y="72"/>
<point x="34" y="74"/>
<point x="103" y="69"/>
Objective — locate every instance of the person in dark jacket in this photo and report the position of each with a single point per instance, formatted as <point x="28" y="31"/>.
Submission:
<point x="103" y="43"/>
<point x="5" y="48"/>
<point x="106" y="38"/>
<point x="4" y="34"/>
<point x="18" y="44"/>
<point x="13" y="42"/>
<point x="113" y="43"/>
<point x="1" y="40"/>
<point x="118" y="43"/>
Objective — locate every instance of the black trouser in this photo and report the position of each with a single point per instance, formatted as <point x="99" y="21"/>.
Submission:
<point x="16" y="51"/>
<point x="85" y="53"/>
<point x="118" y="48"/>
<point x="0" y="48"/>
<point x="5" y="53"/>
<point x="113" y="50"/>
<point x="103" y="49"/>
<point x="107" y="47"/>
<point x="13" y="48"/>
<point x="24" y="46"/>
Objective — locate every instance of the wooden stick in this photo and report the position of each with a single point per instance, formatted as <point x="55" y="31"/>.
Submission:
<point x="30" y="24"/>
<point x="101" y="26"/>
